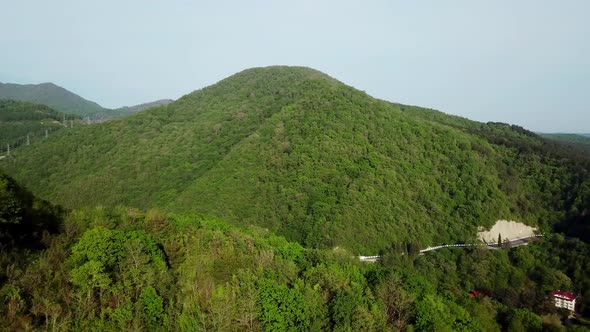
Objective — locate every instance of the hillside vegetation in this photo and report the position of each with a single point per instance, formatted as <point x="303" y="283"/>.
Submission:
<point x="121" y="269"/>
<point x="298" y="152"/>
<point x="19" y="119"/>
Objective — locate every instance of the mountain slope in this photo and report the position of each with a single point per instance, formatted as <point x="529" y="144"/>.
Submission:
<point x="300" y="153"/>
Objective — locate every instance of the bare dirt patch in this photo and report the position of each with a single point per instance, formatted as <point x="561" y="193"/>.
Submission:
<point x="509" y="230"/>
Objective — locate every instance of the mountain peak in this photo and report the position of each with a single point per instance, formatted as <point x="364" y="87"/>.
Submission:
<point x="49" y="84"/>
<point x="281" y="70"/>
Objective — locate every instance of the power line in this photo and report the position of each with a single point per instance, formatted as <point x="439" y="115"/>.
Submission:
<point x="32" y="137"/>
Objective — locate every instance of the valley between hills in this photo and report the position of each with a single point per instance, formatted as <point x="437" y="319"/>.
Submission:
<point x="243" y="206"/>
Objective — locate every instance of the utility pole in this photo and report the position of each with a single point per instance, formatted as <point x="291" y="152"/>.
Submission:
<point x="65" y="124"/>
<point x="8" y="153"/>
<point x="28" y="140"/>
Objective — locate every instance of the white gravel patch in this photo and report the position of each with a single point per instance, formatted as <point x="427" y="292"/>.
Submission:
<point x="509" y="230"/>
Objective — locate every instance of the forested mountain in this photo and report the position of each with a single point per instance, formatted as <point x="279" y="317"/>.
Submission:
<point x="65" y="101"/>
<point x="19" y="119"/>
<point x="298" y="152"/>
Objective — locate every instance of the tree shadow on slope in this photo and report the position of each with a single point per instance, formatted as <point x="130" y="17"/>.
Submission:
<point x="24" y="219"/>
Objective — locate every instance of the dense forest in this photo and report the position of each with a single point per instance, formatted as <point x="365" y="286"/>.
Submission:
<point x="296" y="151"/>
<point x="243" y="207"/>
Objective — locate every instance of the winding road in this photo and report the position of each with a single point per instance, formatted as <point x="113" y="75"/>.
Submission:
<point x="492" y="246"/>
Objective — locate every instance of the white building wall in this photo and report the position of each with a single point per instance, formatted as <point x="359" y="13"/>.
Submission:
<point x="560" y="303"/>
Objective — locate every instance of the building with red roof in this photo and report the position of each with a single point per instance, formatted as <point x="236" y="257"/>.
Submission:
<point x="476" y="293"/>
<point x="564" y="299"/>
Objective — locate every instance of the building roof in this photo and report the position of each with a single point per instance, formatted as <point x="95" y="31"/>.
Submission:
<point x="563" y="295"/>
<point x="475" y="293"/>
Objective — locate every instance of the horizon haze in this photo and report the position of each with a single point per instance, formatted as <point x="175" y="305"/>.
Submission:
<point x="524" y="63"/>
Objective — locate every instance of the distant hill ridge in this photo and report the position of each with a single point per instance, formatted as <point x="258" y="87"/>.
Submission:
<point x="51" y="95"/>
<point x="578" y="141"/>
<point x="145" y="106"/>
<point x="65" y="101"/>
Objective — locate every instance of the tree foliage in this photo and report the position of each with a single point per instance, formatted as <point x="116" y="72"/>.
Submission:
<point x="112" y="269"/>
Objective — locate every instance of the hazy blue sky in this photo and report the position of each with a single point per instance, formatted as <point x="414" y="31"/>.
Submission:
<point x="524" y="62"/>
